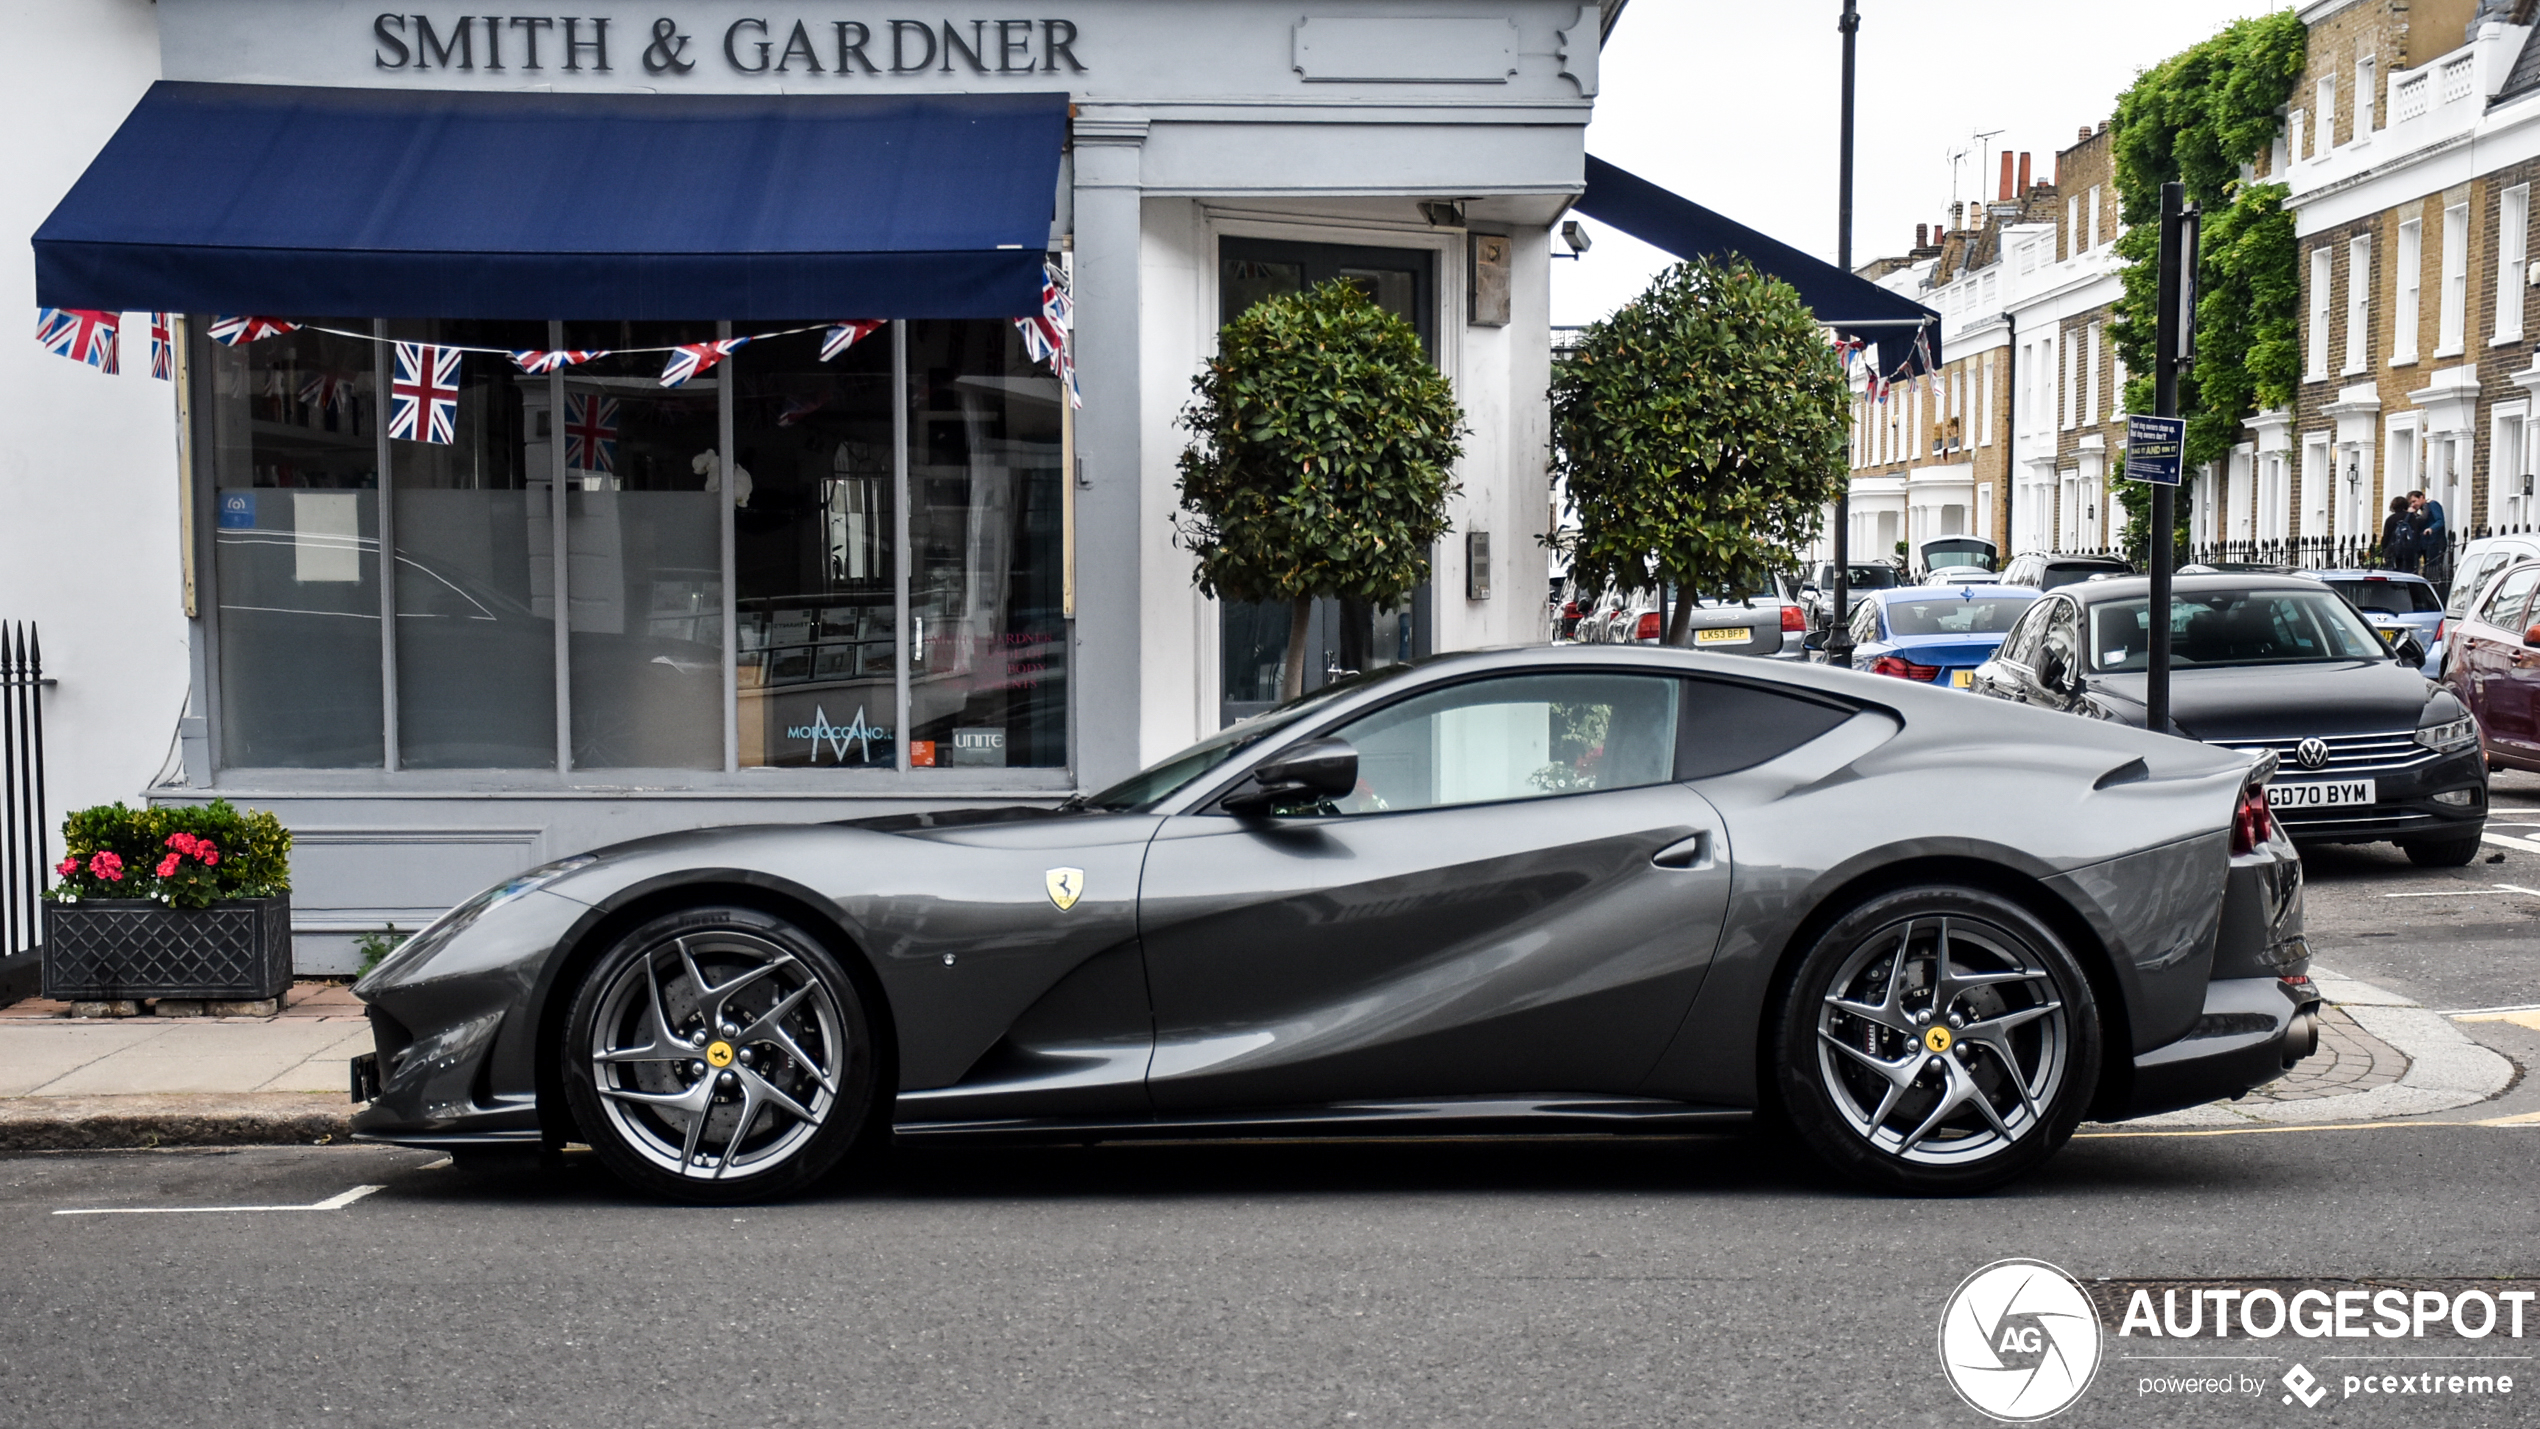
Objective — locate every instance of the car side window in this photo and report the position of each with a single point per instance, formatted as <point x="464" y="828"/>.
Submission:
<point x="1865" y="623"/>
<point x="2020" y="646"/>
<point x="2063" y="635"/>
<point x="2504" y="606"/>
<point x="1517" y="737"/>
<point x="1727" y="726"/>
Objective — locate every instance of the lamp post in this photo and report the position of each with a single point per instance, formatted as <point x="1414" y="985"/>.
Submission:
<point x="1839" y="625"/>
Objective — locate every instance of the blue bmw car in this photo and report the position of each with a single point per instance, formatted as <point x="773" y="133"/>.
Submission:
<point x="1935" y="634"/>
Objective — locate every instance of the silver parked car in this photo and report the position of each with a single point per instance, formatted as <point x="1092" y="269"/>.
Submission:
<point x="1561" y="888"/>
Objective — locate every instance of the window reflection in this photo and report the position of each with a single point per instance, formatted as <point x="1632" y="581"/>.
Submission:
<point x="988" y="658"/>
<point x="294" y="446"/>
<point x="813" y="562"/>
<point x="644" y="552"/>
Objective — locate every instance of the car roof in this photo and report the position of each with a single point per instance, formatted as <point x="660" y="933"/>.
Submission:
<point x="2136" y="587"/>
<point x="2401" y="577"/>
<point x="1964" y="589"/>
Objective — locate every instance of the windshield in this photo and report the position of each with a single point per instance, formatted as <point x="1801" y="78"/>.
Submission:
<point x="2387" y="597"/>
<point x="2074" y="572"/>
<point x="1158" y="782"/>
<point x="1955" y="615"/>
<point x="2234" y="627"/>
<point x="1865" y="577"/>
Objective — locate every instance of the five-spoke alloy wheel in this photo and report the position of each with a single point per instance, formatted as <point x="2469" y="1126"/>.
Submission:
<point x="719" y="1055"/>
<point x="1937" y="1039"/>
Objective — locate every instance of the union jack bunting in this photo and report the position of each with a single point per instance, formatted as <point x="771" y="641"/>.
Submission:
<point x="322" y="390"/>
<point x="590" y="432"/>
<point x="797" y="408"/>
<point x="162" y="347"/>
<point x="80" y="334"/>
<point x="537" y="362"/>
<point x="424" y="398"/>
<point x="690" y="358"/>
<point x="842" y="336"/>
<point x="1045" y="334"/>
<point x="230" y="332"/>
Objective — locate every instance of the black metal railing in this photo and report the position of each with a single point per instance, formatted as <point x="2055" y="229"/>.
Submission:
<point x="2329" y="553"/>
<point x="22" y="814"/>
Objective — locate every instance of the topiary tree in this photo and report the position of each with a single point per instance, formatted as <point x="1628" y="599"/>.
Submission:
<point x="1325" y="444"/>
<point x="1701" y="430"/>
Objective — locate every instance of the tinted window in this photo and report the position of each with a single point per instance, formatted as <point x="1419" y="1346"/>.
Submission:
<point x="2505" y="606"/>
<point x="1519" y="737"/>
<point x="2063" y="635"/>
<point x="2064" y="573"/>
<point x="1728" y="726"/>
<point x="2389" y="597"/>
<point x="1956" y="615"/>
<point x="2266" y="627"/>
<point x="2020" y="646"/>
<point x="2465" y="591"/>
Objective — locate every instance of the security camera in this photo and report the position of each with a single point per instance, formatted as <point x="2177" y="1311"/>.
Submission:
<point x="1576" y="236"/>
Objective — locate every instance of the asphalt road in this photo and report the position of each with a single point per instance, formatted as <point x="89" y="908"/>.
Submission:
<point x="1700" y="1281"/>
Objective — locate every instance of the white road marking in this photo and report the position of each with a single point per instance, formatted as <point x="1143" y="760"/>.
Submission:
<point x="2518" y="888"/>
<point x="332" y="1203"/>
<point x="2509" y="841"/>
<point x="2444" y="893"/>
<point x="442" y="1164"/>
<point x="2482" y="1011"/>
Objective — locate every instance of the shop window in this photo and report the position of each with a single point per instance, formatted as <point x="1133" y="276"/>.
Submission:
<point x="1342" y="636"/>
<point x="290" y="427"/>
<point x="474" y="533"/>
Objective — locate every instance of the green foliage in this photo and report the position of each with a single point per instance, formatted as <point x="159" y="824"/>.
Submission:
<point x="1701" y="431"/>
<point x="2195" y="118"/>
<point x="184" y="855"/>
<point x="375" y="947"/>
<point x="1324" y="453"/>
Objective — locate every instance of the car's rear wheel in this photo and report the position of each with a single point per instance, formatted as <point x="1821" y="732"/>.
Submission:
<point x="1937" y="1040"/>
<point x="2444" y="853"/>
<point x="719" y="1055"/>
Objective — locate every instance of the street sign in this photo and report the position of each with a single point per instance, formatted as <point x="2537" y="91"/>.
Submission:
<point x="2152" y="447"/>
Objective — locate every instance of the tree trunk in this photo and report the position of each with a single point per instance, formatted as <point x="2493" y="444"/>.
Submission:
<point x="1292" y="673"/>
<point x="1680" y="624"/>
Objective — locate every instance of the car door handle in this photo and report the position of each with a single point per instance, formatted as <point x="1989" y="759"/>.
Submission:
<point x="1694" y="852"/>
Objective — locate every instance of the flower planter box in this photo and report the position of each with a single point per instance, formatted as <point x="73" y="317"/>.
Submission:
<point x="102" y="949"/>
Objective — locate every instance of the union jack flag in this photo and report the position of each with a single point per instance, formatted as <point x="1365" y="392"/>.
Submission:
<point x="324" y="389"/>
<point x="230" y="332"/>
<point x="797" y="408"/>
<point x="590" y="432"/>
<point x="162" y="347"/>
<point x="844" y="335"/>
<point x="424" y="398"/>
<point x="539" y="362"/>
<point x="1045" y="333"/>
<point x="690" y="358"/>
<point x="80" y="334"/>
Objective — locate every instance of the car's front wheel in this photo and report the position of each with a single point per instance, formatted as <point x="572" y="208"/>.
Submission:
<point x="719" y="1055"/>
<point x="2442" y="853"/>
<point x="1937" y="1040"/>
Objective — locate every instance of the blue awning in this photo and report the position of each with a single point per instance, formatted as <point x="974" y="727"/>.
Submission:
<point x="1851" y="305"/>
<point x="233" y="198"/>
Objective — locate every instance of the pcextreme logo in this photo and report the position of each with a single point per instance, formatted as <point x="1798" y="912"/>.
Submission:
<point x="2019" y="1340"/>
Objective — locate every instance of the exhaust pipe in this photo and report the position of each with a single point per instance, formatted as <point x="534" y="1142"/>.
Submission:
<point x="2301" y="1036"/>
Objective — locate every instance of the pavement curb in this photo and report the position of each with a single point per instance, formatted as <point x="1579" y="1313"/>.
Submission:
<point x="111" y="1123"/>
<point x="2446" y="1069"/>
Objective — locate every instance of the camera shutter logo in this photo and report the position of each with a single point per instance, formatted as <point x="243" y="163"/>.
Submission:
<point x="2020" y="1341"/>
<point x="2313" y="752"/>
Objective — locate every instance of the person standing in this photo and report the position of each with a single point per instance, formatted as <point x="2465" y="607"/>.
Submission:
<point x="2434" y="544"/>
<point x="2399" y="542"/>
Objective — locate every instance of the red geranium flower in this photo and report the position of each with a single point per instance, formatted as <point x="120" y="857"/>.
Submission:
<point x="209" y="854"/>
<point x="68" y="866"/>
<point x="168" y="865"/>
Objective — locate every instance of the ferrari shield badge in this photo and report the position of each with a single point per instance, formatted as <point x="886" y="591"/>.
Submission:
<point x="1065" y="886"/>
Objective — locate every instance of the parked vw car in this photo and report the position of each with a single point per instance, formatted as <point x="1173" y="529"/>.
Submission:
<point x="2495" y="666"/>
<point x="2392" y="601"/>
<point x="1935" y="634"/>
<point x="2370" y="749"/>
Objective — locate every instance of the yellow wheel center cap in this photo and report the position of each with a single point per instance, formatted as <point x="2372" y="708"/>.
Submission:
<point x="1935" y="1038"/>
<point x="719" y="1054"/>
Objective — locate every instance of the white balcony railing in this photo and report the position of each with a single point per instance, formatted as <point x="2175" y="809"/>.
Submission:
<point x="2456" y="78"/>
<point x="2408" y="98"/>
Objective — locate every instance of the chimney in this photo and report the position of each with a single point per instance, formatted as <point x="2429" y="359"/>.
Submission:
<point x="2024" y="185"/>
<point x="2005" y="195"/>
<point x="2085" y="134"/>
<point x="1957" y="216"/>
<point x="1922" y="235"/>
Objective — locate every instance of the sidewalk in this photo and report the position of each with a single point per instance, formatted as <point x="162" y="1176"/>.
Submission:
<point x="165" y="1081"/>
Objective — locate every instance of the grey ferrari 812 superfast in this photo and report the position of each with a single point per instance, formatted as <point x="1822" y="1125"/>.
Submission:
<point x="1571" y="889"/>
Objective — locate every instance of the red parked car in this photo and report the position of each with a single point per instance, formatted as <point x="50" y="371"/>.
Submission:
<point x="2494" y="666"/>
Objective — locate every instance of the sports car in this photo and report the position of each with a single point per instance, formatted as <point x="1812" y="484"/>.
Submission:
<point x="1561" y="889"/>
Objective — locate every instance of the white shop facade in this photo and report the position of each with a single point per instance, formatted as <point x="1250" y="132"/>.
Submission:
<point x="830" y="574"/>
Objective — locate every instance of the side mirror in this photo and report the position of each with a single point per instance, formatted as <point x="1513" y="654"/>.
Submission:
<point x="2051" y="671"/>
<point x="1317" y="769"/>
<point x="2408" y="650"/>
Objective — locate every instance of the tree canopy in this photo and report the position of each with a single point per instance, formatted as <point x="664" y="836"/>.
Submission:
<point x="1700" y="430"/>
<point x="1323" y="458"/>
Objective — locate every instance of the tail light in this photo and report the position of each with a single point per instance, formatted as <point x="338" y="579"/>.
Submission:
<point x="1904" y="669"/>
<point x="2438" y="629"/>
<point x="1794" y="620"/>
<point x="2252" y="823"/>
<point x="1648" y="627"/>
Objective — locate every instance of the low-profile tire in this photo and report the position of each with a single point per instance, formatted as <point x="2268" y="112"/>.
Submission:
<point x="2445" y="853"/>
<point x="719" y="1055"/>
<point x="1937" y="1040"/>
